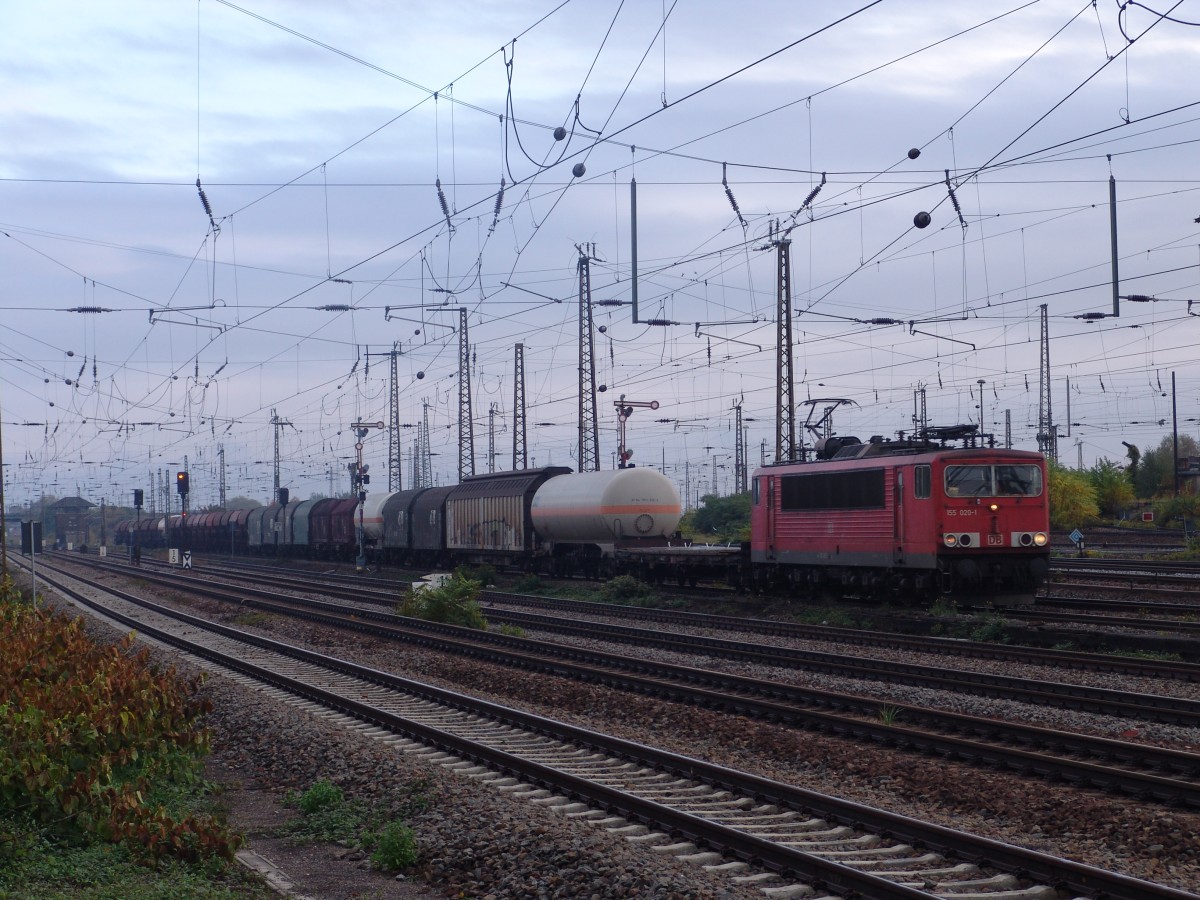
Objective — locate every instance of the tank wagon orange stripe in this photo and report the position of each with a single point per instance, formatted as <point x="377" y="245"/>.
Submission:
<point x="608" y="510"/>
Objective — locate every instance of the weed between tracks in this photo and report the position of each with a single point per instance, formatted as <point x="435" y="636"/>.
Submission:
<point x="251" y="619"/>
<point x="1156" y="655"/>
<point x="623" y="590"/>
<point x="327" y="816"/>
<point x="888" y="714"/>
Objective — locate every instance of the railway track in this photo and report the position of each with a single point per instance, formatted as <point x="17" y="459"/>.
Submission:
<point x="384" y="591"/>
<point x="1164" y="775"/>
<point x="1135" y="607"/>
<point x="1176" y="626"/>
<point x="707" y="814"/>
<point x="1158" y="570"/>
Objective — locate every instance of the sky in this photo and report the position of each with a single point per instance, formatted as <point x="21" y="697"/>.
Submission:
<point x="367" y="170"/>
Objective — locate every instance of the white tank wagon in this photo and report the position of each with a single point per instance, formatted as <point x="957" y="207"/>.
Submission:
<point x="606" y="509"/>
<point x="372" y="517"/>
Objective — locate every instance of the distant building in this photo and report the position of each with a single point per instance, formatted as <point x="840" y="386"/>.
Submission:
<point x="70" y="522"/>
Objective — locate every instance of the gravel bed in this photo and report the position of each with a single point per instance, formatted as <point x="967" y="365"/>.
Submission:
<point x="1049" y="673"/>
<point x="1142" y="840"/>
<point x="473" y="840"/>
<point x="1114" y="681"/>
<point x="1127" y="729"/>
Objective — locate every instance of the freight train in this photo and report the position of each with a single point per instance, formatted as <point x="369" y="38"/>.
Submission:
<point x="906" y="518"/>
<point x="546" y="520"/>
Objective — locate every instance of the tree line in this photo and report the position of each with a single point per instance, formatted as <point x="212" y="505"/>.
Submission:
<point x="1111" y="491"/>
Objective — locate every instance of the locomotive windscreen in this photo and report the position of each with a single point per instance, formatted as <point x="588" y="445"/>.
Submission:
<point x="993" y="481"/>
<point x="858" y="489"/>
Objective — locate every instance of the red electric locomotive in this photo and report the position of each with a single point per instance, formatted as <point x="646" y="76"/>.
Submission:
<point x="912" y="517"/>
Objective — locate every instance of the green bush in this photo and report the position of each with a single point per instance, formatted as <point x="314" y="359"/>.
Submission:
<point x="454" y="603"/>
<point x="95" y="740"/>
<point x="395" y="847"/>
<point x="528" y="584"/>
<point x="326" y="816"/>
<point x="484" y="574"/>
<point x="1177" y="510"/>
<point x="943" y="606"/>
<point x="626" y="589"/>
<point x="322" y="795"/>
<point x="993" y="630"/>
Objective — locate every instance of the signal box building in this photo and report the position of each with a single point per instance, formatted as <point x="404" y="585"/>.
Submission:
<point x="71" y="516"/>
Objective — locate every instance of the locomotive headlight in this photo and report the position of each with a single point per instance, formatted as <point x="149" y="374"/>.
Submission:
<point x="1041" y="539"/>
<point x="994" y="507"/>
<point x="950" y="540"/>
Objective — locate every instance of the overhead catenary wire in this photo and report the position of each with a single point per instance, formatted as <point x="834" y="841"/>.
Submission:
<point x="494" y="211"/>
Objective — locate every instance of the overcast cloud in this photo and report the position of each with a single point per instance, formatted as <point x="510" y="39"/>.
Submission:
<point x="318" y="142"/>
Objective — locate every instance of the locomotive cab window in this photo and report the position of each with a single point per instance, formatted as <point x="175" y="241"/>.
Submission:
<point x="993" y="481"/>
<point x="1018" y="481"/>
<point x="968" y="481"/>
<point x="922" y="482"/>
<point x="757" y="491"/>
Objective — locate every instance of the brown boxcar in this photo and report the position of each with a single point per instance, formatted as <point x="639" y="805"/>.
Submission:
<point x="487" y="516"/>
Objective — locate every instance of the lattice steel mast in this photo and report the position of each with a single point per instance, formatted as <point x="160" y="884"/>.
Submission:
<point x="739" y="454"/>
<point x="1047" y="438"/>
<point x="589" y="434"/>
<point x="221" y="459"/>
<point x="785" y="406"/>
<point x="920" y="414"/>
<point x="492" y="438"/>
<point x="395" y="466"/>
<point x="466" y="426"/>
<point x="426" y="453"/>
<point x="395" y="476"/>
<point x="520" y="460"/>
<point x="278" y="424"/>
